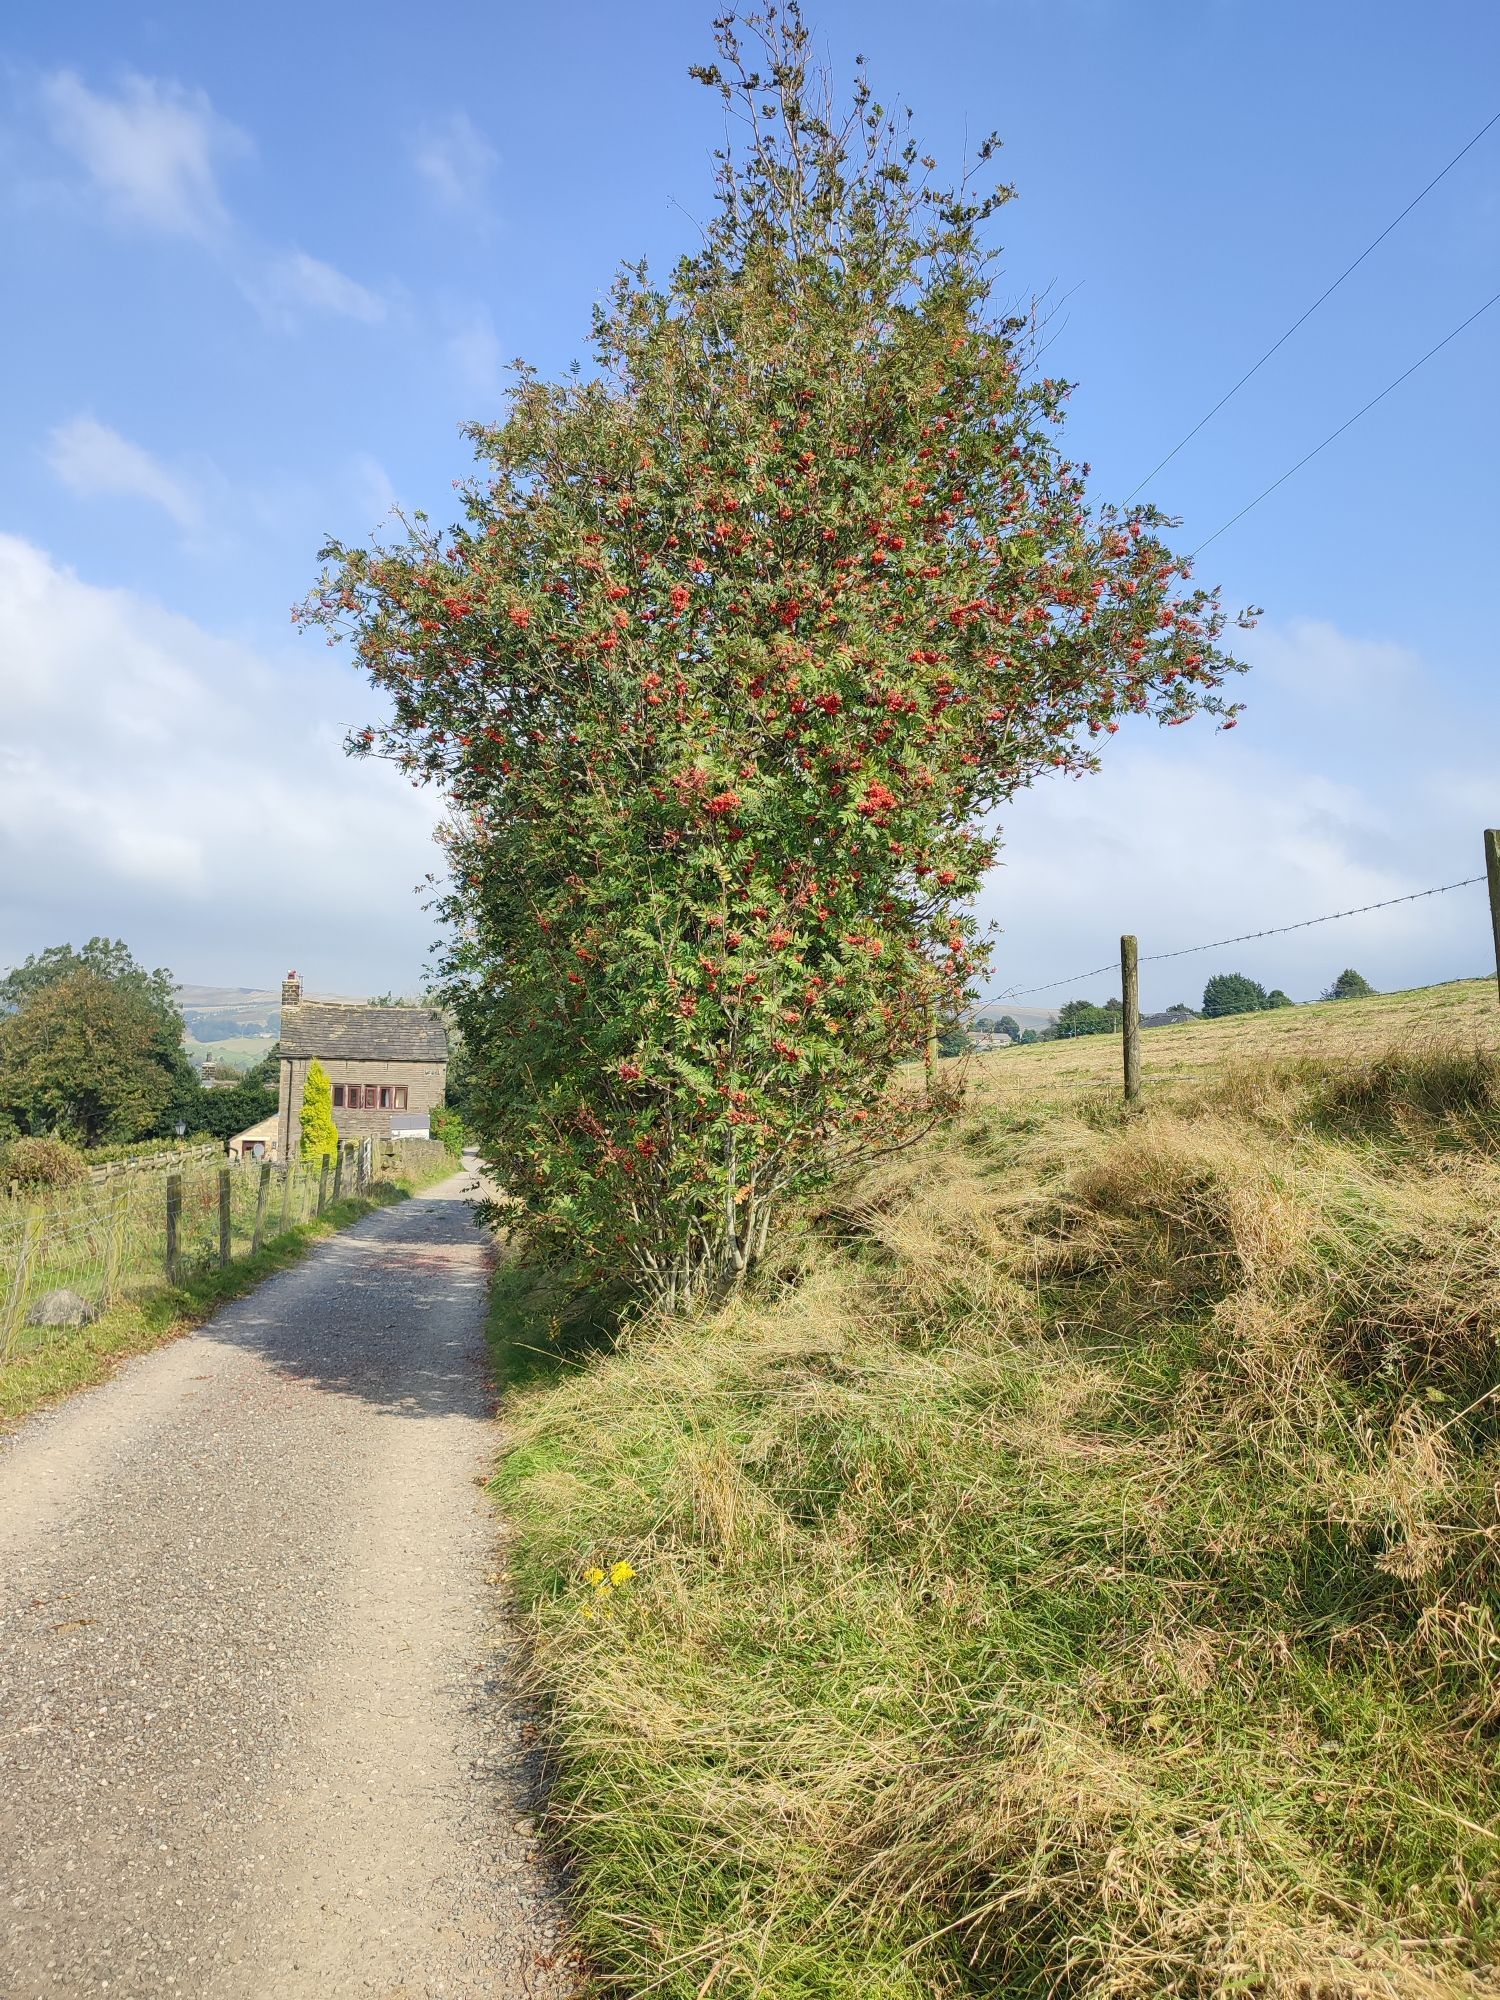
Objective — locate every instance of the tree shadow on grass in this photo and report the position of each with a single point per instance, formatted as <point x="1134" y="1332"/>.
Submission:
<point x="543" y="1324"/>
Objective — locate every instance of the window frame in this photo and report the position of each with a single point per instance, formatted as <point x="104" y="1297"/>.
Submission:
<point x="338" y="1097"/>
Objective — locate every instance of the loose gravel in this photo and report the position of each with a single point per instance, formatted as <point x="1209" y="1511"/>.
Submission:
<point x="257" y="1733"/>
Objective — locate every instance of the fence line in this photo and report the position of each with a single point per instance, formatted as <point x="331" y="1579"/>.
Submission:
<point x="1219" y="944"/>
<point x="1131" y="957"/>
<point x="165" y="1162"/>
<point x="64" y="1264"/>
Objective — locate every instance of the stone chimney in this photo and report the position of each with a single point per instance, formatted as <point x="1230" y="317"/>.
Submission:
<point x="291" y="990"/>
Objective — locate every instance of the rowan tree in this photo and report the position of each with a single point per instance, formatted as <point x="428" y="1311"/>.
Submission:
<point x="740" y="641"/>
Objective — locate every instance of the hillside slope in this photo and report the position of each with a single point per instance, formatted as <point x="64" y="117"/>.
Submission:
<point x="1074" y="1572"/>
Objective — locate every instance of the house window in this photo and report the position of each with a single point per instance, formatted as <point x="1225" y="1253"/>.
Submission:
<point x="338" y="1097"/>
<point x="398" y="1096"/>
<point x="385" y="1097"/>
<point x="372" y="1097"/>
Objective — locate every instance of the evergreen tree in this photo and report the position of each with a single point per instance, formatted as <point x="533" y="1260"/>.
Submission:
<point x="1082" y="1017"/>
<point x="319" y="1133"/>
<point x="1232" y="993"/>
<point x="1350" y="985"/>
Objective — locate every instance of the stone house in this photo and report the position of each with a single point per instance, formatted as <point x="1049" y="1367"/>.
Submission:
<point x="388" y="1066"/>
<point x="256" y="1142"/>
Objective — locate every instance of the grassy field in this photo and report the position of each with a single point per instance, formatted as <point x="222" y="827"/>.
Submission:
<point x="237" y="1051"/>
<point x="1074" y="1571"/>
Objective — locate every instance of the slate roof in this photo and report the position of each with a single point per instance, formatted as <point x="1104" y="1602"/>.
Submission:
<point x="363" y="1034"/>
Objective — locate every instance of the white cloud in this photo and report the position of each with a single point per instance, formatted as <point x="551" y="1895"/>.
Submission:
<point x="1312" y="660"/>
<point x="473" y="348"/>
<point x="91" y="459"/>
<point x="373" y="487"/>
<point x="150" y="152"/>
<point x="1347" y="784"/>
<point x="295" y="284"/>
<point x="163" y="784"/>
<point x="457" y="163"/>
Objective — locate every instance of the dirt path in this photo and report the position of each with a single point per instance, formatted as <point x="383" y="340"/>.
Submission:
<point x="255" y="1737"/>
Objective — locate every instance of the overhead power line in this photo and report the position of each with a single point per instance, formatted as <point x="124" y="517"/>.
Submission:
<point x="1346" y="272"/>
<point x="1246" y="937"/>
<point x="1348" y="421"/>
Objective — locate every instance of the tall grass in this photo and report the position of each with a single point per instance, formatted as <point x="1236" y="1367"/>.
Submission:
<point x="1073" y="1572"/>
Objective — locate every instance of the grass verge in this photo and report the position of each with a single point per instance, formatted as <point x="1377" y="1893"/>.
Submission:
<point x="78" y="1357"/>
<point x="1075" y="1571"/>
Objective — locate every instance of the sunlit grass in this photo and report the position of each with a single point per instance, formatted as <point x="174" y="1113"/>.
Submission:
<point x="1074" y="1570"/>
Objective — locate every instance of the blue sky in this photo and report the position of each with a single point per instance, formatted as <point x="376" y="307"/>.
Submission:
<point x="258" y="271"/>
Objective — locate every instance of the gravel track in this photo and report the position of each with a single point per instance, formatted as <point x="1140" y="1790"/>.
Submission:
<point x="257" y="1736"/>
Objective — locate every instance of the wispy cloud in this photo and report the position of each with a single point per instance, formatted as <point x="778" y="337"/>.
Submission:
<point x="294" y="285"/>
<point x="456" y="162"/>
<point x="474" y="353"/>
<point x="150" y="152"/>
<point x="91" y="459"/>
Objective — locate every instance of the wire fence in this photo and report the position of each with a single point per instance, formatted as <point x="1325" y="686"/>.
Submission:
<point x="66" y="1260"/>
<point x="1218" y="944"/>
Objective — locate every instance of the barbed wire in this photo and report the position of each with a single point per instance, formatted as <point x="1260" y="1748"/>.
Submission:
<point x="1218" y="944"/>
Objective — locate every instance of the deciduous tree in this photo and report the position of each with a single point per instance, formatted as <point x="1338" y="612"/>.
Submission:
<point x="1350" y="985"/>
<point x="82" y="1057"/>
<point x="740" y="642"/>
<point x="1232" y="993"/>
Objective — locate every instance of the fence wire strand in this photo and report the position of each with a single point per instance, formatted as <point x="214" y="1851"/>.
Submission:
<point x="1219" y="944"/>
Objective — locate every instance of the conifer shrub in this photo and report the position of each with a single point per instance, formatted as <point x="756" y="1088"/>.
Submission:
<point x="319" y="1133"/>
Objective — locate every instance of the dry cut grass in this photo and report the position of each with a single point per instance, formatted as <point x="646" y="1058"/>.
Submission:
<point x="1075" y="1572"/>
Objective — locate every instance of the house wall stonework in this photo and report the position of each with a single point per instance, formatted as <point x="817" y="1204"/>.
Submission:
<point x="424" y="1084"/>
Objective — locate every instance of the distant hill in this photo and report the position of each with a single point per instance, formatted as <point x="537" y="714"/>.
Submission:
<point x="1024" y="1017"/>
<point x="236" y="1024"/>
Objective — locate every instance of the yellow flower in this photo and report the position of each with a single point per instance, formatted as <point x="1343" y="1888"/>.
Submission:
<point x="620" y="1572"/>
<point x="593" y="1575"/>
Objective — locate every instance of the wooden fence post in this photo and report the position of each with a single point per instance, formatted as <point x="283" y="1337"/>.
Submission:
<point x="1492" y="869"/>
<point x="14" y="1317"/>
<point x="224" y="1244"/>
<point x="115" y="1246"/>
<point x="338" y="1170"/>
<point x="323" y="1185"/>
<point x="1130" y="996"/>
<point x="262" y="1196"/>
<point x="174" y="1218"/>
<point x="286" y="1195"/>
